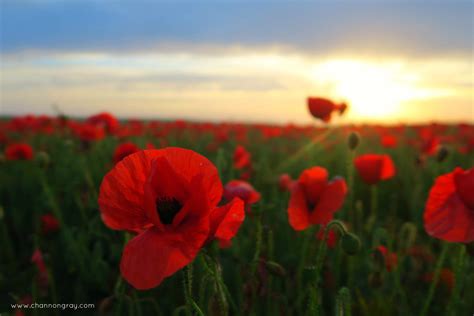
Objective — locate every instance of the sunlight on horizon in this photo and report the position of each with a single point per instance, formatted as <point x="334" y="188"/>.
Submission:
<point x="245" y="86"/>
<point x="374" y="91"/>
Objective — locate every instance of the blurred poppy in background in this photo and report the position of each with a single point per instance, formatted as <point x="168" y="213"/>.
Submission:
<point x="243" y="190"/>
<point x="19" y="151"/>
<point x="322" y="108"/>
<point x="374" y="168"/>
<point x="123" y="150"/>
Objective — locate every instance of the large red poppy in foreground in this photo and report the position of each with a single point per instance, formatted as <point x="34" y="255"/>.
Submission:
<point x="314" y="199"/>
<point x="373" y="168"/>
<point x="449" y="212"/>
<point x="169" y="197"/>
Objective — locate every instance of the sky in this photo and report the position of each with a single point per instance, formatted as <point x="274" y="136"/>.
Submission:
<point x="258" y="61"/>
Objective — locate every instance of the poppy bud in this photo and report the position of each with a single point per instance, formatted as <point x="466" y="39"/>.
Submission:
<point x="275" y="268"/>
<point x="351" y="244"/>
<point x="353" y="140"/>
<point x="42" y="158"/>
<point x="2" y="212"/>
<point x="2" y="158"/>
<point x="442" y="154"/>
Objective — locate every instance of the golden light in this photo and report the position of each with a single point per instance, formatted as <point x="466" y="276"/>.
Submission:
<point x="374" y="91"/>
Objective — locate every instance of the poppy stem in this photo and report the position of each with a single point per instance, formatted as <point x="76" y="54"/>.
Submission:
<point x="373" y="207"/>
<point x="350" y="186"/>
<point x="460" y="264"/>
<point x="314" y="302"/>
<point x="434" y="282"/>
<point x="302" y="262"/>
<point x="343" y="302"/>
<point x="118" y="288"/>
<point x="189" y="282"/>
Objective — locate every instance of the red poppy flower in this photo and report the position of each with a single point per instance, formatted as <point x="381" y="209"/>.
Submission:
<point x="19" y="151"/>
<point x="123" y="150"/>
<point x="169" y="197"/>
<point x="323" y="108"/>
<point x="89" y="132"/>
<point x="314" y="199"/>
<point x="285" y="182"/>
<point x="449" y="211"/>
<point x="430" y="145"/>
<point x="242" y="190"/>
<point x="389" y="141"/>
<point x="105" y="120"/>
<point x="241" y="157"/>
<point x="390" y="258"/>
<point x="374" y="168"/>
<point x="49" y="224"/>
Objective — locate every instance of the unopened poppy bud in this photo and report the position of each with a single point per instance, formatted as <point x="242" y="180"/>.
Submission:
<point x="2" y="212"/>
<point x="351" y="244"/>
<point x="275" y="268"/>
<point x="2" y="158"/>
<point x="42" y="158"/>
<point x="442" y="154"/>
<point x="353" y="140"/>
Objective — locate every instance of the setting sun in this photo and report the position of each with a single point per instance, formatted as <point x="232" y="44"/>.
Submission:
<point x="374" y="91"/>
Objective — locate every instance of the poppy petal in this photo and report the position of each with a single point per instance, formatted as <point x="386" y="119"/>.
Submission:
<point x="152" y="256"/>
<point x="121" y="197"/>
<point x="164" y="182"/>
<point x="388" y="168"/>
<point x="298" y="214"/>
<point x="330" y="201"/>
<point x="446" y="217"/>
<point x="313" y="181"/>
<point x="189" y="164"/>
<point x="226" y="220"/>
<point x="465" y="186"/>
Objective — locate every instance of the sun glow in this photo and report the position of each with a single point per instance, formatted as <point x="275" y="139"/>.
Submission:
<point x="374" y="91"/>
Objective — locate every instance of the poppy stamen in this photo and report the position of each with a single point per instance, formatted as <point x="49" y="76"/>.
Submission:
<point x="167" y="209"/>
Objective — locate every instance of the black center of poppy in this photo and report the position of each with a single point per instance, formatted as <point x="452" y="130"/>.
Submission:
<point x="167" y="209"/>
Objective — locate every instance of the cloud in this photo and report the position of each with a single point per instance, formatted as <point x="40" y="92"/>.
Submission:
<point x="361" y="27"/>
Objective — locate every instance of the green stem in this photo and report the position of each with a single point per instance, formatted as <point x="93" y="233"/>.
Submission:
<point x="458" y="272"/>
<point x="350" y="185"/>
<point x="373" y="208"/>
<point x="434" y="283"/>
<point x="373" y="202"/>
<point x="343" y="302"/>
<point x="302" y="262"/>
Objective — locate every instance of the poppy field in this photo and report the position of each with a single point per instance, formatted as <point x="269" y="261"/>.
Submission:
<point x="148" y="217"/>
